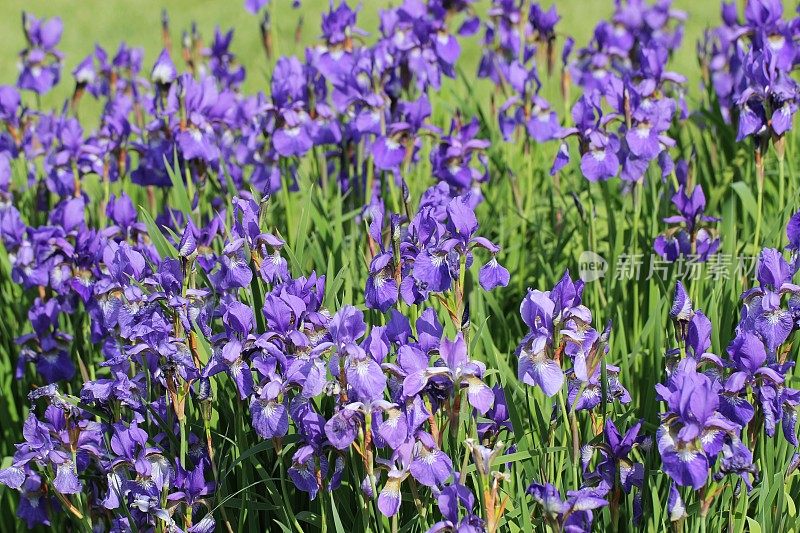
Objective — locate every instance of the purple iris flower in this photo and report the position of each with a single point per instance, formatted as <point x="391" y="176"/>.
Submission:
<point x="362" y="373"/>
<point x="737" y="459"/>
<point x="238" y="320"/>
<point x="445" y="235"/>
<point x="164" y="71"/>
<point x="268" y="412"/>
<point x="63" y="446"/>
<point x="195" y="107"/>
<point x="769" y="89"/>
<point x="599" y="147"/>
<point x="692" y="237"/>
<point x="748" y="61"/>
<point x="681" y="311"/>
<point x="415" y="35"/>
<point x="381" y="291"/>
<point x="429" y="465"/>
<point x="192" y="485"/>
<point x="615" y="461"/>
<point x="586" y="394"/>
<point x="458" y="371"/>
<point x="764" y="311"/>
<point x="233" y="271"/>
<point x="40" y="60"/>
<point x="692" y="430"/>
<point x="393" y="428"/>
<point x="497" y="416"/>
<point x="389" y="152"/>
<point x="390" y="495"/>
<point x="780" y="406"/>
<point x="47" y="347"/>
<point x="342" y="428"/>
<point x="511" y="37"/>
<point x="451" y="160"/>
<point x="294" y="139"/>
<point x="624" y="69"/>
<point x="450" y="501"/>
<point x="557" y="322"/>
<point x="339" y="24"/>
<point x="572" y="514"/>
<point x="265" y="248"/>
<point x="748" y="361"/>
<point x="35" y="503"/>
<point x="307" y="465"/>
<point x="222" y="62"/>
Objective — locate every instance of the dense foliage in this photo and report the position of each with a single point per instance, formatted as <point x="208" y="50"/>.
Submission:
<point x="391" y="294"/>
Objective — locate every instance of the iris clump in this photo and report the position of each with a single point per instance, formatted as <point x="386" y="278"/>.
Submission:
<point x="359" y="298"/>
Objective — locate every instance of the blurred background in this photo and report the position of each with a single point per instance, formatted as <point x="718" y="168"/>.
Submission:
<point x="138" y="23"/>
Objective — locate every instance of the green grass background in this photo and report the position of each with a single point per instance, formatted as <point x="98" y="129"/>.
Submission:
<point x="137" y="22"/>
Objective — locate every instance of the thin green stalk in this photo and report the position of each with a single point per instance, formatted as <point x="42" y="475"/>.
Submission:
<point x="323" y="513"/>
<point x="760" y="185"/>
<point x="285" y="494"/>
<point x="184" y="443"/>
<point x="781" y="180"/>
<point x="370" y="180"/>
<point x="421" y="509"/>
<point x="462" y="271"/>
<point x="638" y="189"/>
<point x="574" y="434"/>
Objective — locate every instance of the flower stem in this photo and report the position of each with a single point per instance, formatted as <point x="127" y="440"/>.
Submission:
<point x="423" y="512"/>
<point x="760" y="185"/>
<point x="781" y="179"/>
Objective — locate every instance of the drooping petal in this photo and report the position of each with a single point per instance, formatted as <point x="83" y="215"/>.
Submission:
<point x="479" y="394"/>
<point x="493" y="275"/>
<point x="431" y="467"/>
<point x="66" y="480"/>
<point x="394" y="428"/>
<point x="675" y="506"/>
<point x="688" y="468"/>
<point x="12" y="477"/>
<point x="270" y="418"/>
<point x="542" y="372"/>
<point x="342" y="428"/>
<point x="366" y="377"/>
<point x="390" y="498"/>
<point x="599" y="164"/>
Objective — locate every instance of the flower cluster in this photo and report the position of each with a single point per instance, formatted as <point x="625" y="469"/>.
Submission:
<point x="560" y="331"/>
<point x="747" y="63"/>
<point x="717" y="407"/>
<point x="691" y="237"/>
<point x="511" y="44"/>
<point x="40" y="61"/>
<point x="167" y="313"/>
<point x="630" y="99"/>
<point x="429" y="254"/>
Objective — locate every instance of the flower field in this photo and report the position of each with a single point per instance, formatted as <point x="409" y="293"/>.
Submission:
<point x="421" y="266"/>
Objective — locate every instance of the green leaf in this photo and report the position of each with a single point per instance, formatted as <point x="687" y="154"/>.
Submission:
<point x="753" y="525"/>
<point x="747" y="198"/>
<point x="179" y="193"/>
<point x="163" y="246"/>
<point x="337" y="522"/>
